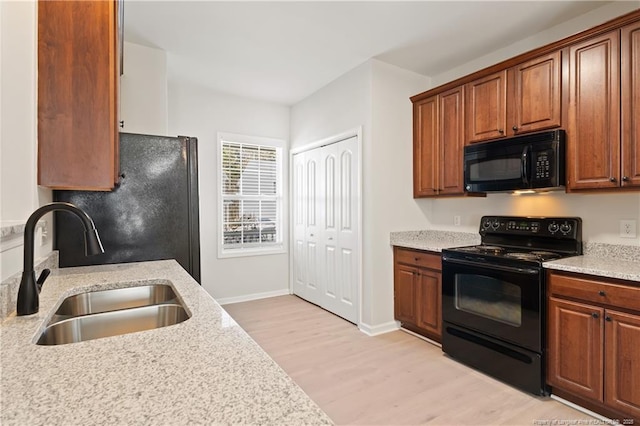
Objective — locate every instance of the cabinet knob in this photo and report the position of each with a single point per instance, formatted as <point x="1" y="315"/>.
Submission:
<point x="612" y="179"/>
<point x="501" y="131"/>
<point x="515" y="128"/>
<point x="602" y="293"/>
<point x="608" y="318"/>
<point x="625" y="178"/>
<point x="595" y="315"/>
<point x="415" y="259"/>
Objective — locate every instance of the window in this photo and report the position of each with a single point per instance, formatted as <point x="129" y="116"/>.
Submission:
<point x="250" y="196"/>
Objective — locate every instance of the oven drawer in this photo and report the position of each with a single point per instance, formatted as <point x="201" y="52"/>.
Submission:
<point x="418" y="258"/>
<point x="592" y="290"/>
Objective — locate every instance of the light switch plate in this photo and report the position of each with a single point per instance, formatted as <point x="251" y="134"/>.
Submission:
<point x="627" y="229"/>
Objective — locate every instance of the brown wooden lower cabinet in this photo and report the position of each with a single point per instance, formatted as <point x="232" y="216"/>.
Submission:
<point x="594" y="343"/>
<point x="417" y="291"/>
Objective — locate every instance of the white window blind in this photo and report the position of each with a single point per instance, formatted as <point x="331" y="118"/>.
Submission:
<point x="251" y="197"/>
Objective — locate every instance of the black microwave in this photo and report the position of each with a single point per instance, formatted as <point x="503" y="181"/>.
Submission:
<point x="535" y="161"/>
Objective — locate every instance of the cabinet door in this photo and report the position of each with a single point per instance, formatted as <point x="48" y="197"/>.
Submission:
<point x="534" y="94"/>
<point x="405" y="293"/>
<point x="428" y="297"/>
<point x="425" y="147"/>
<point x="630" y="91"/>
<point x="575" y="361"/>
<point x="485" y="107"/>
<point x="451" y="135"/>
<point x="622" y="362"/>
<point x="77" y="95"/>
<point x="593" y="130"/>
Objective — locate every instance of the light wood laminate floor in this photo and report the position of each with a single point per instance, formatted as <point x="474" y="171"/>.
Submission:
<point x="391" y="379"/>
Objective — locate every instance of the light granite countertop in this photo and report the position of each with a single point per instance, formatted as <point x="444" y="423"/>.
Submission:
<point x="206" y="370"/>
<point x="599" y="259"/>
<point x="599" y="266"/>
<point x="433" y="240"/>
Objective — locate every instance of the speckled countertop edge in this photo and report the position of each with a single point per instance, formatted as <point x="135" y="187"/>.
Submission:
<point x="433" y="240"/>
<point x="206" y="370"/>
<point x="599" y="259"/>
<point x="13" y="228"/>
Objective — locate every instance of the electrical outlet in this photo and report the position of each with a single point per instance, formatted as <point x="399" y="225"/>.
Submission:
<point x="456" y="220"/>
<point x="627" y="229"/>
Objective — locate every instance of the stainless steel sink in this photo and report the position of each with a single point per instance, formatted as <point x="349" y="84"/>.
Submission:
<point x="105" y="313"/>
<point x="114" y="299"/>
<point x="106" y="324"/>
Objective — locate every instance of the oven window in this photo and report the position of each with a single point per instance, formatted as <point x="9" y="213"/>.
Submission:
<point x="489" y="298"/>
<point x="507" y="168"/>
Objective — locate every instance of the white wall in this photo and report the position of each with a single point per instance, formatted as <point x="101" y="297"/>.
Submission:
<point x="566" y="29"/>
<point x="143" y="90"/>
<point x="389" y="180"/>
<point x="19" y="193"/>
<point x="197" y="111"/>
<point x="374" y="96"/>
<point x="600" y="212"/>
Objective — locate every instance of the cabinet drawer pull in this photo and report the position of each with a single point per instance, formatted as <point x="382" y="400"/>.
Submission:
<point x="602" y="293"/>
<point x="416" y="259"/>
<point x="595" y="315"/>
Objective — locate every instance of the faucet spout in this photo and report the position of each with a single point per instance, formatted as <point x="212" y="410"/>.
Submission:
<point x="29" y="292"/>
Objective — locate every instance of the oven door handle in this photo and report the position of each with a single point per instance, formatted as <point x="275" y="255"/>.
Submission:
<point x="495" y="267"/>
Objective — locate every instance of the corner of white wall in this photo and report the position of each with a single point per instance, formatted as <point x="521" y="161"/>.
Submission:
<point x="143" y="91"/>
<point x="19" y="194"/>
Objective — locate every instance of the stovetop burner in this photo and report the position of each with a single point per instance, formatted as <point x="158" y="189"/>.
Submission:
<point x="525" y="239"/>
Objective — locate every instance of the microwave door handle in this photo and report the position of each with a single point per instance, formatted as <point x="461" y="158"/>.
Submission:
<point x="524" y="165"/>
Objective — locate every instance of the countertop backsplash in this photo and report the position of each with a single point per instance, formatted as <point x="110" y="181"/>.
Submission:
<point x="9" y="287"/>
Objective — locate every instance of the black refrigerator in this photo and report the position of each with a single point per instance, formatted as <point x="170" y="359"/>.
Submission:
<point x="152" y="214"/>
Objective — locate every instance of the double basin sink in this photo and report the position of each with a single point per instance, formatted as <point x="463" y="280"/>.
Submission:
<point x="105" y="313"/>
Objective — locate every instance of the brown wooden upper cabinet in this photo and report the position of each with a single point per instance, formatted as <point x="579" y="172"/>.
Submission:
<point x="523" y="98"/>
<point x="603" y="130"/>
<point x="630" y="91"/>
<point x="78" y="73"/>
<point x="438" y="140"/>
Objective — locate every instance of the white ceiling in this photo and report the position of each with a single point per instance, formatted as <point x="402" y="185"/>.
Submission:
<point x="284" y="51"/>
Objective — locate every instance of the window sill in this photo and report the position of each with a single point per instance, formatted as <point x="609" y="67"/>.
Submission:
<point x="229" y="253"/>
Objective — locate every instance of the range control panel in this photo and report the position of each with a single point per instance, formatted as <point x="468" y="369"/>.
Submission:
<point x="562" y="227"/>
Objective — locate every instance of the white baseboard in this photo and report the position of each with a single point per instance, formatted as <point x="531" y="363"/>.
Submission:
<point x="254" y="296"/>
<point x="375" y="330"/>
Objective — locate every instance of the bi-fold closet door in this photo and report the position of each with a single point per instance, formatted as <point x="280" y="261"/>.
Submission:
<point x="325" y="231"/>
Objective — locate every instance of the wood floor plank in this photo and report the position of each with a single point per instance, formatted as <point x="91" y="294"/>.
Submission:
<point x="391" y="379"/>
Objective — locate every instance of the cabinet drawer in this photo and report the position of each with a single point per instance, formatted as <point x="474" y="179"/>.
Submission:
<point x="418" y="258"/>
<point x="591" y="290"/>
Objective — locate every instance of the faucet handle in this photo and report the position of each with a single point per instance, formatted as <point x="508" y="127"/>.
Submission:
<point x="43" y="276"/>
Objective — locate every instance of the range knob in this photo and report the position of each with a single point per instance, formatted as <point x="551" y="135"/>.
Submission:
<point x="553" y="227"/>
<point x="486" y="224"/>
<point x="495" y="225"/>
<point x="565" y="228"/>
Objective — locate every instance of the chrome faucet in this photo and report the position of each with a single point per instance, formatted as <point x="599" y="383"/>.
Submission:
<point x="29" y="292"/>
